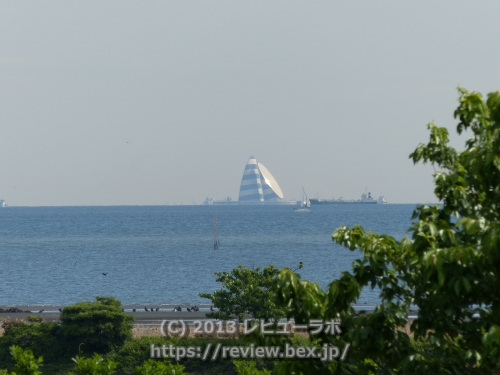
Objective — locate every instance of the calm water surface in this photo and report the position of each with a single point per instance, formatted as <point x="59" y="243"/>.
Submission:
<point x="165" y="254"/>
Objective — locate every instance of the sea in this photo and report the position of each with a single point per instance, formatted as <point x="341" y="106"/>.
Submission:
<point x="165" y="255"/>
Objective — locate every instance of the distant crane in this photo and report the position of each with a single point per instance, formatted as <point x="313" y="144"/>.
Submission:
<point x="216" y="235"/>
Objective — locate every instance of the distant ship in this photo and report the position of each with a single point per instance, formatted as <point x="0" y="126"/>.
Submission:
<point x="228" y="201"/>
<point x="366" y="198"/>
<point x="3" y="203"/>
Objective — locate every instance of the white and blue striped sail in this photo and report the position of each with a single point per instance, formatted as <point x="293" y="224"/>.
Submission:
<point x="270" y="187"/>
<point x="251" y="184"/>
<point x="258" y="184"/>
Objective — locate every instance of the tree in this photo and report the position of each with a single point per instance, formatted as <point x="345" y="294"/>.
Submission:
<point x="44" y="339"/>
<point x="247" y="292"/>
<point x="96" y="326"/>
<point x="449" y="268"/>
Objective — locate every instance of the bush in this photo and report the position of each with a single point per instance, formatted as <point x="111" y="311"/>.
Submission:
<point x="153" y="367"/>
<point x="95" y="365"/>
<point x="25" y="362"/>
<point x="136" y="352"/>
<point x="43" y="339"/>
<point x="97" y="326"/>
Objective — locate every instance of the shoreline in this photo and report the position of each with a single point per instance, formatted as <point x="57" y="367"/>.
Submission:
<point x="165" y="307"/>
<point x="155" y="313"/>
<point x="140" y="317"/>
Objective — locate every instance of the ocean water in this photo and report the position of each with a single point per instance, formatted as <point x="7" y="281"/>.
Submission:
<point x="165" y="254"/>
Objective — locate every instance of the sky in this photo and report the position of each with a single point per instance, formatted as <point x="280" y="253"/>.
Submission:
<point x="163" y="102"/>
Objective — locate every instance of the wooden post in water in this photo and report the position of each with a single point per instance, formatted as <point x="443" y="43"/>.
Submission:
<point x="216" y="235"/>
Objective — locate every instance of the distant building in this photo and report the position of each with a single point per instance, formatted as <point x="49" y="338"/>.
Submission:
<point x="258" y="184"/>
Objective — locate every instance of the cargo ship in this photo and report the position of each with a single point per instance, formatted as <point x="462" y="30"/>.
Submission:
<point x="366" y="198"/>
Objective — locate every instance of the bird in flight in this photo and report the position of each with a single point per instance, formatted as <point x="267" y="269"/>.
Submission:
<point x="104" y="273"/>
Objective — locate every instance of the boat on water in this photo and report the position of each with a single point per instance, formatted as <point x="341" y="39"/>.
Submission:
<point x="382" y="200"/>
<point x="305" y="203"/>
<point x="3" y="203"/>
<point x="366" y="198"/>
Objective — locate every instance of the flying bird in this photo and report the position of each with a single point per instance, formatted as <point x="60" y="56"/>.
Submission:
<point x="104" y="273"/>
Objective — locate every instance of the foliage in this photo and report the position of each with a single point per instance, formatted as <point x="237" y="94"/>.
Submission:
<point x="35" y="319"/>
<point x="449" y="268"/>
<point x="247" y="292"/>
<point x="130" y="358"/>
<point x="248" y="368"/>
<point x="43" y="339"/>
<point x="155" y="367"/>
<point x="86" y="327"/>
<point x="96" y="326"/>
<point x="95" y="365"/>
<point x="197" y="365"/>
<point x="136" y="352"/>
<point x="134" y="358"/>
<point x="133" y="353"/>
<point x="291" y="364"/>
<point x="26" y="363"/>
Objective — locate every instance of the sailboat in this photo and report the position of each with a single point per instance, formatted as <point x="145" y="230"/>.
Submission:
<point x="305" y="204"/>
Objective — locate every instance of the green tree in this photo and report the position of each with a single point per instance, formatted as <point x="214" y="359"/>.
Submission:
<point x="97" y="326"/>
<point x="44" y="339"/>
<point x="247" y="292"/>
<point x="449" y="268"/>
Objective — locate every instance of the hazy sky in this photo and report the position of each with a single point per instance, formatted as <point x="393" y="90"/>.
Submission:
<point x="149" y="102"/>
